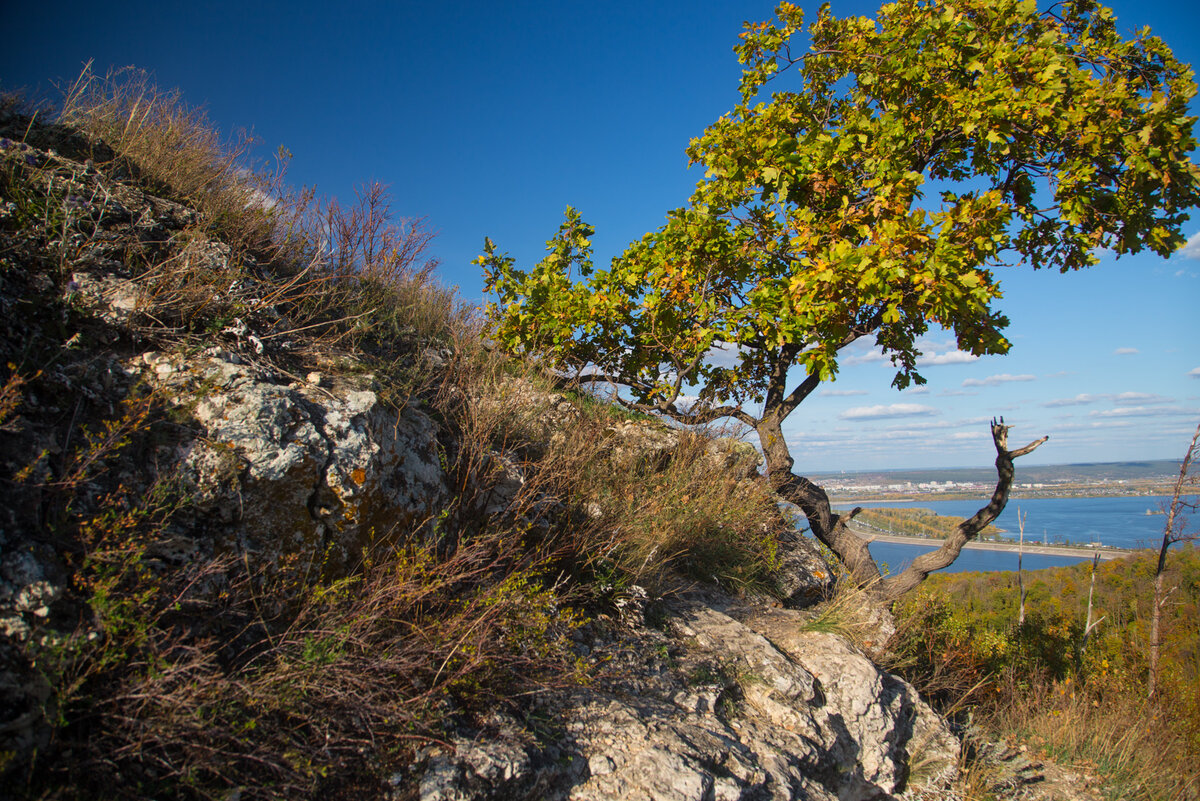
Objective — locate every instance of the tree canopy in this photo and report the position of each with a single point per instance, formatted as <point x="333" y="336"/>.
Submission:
<point x="875" y="182"/>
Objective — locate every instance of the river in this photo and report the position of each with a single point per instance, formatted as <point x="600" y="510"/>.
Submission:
<point x="1121" y="522"/>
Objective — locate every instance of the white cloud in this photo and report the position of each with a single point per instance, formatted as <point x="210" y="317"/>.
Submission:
<point x="1078" y="400"/>
<point x="1139" y="397"/>
<point x="916" y="391"/>
<point x="995" y="380"/>
<point x="1094" y="432"/>
<point x="1191" y="249"/>
<point x="929" y="343"/>
<point x="950" y="357"/>
<point x="863" y="351"/>
<point x="925" y="426"/>
<point x="894" y="435"/>
<point x="1142" y="411"/>
<point x="1194" y="372"/>
<point x="1123" y="398"/>
<point x="724" y="354"/>
<point x="1125" y="351"/>
<point x="1061" y="427"/>
<point x="935" y="352"/>
<point x="841" y="393"/>
<point x="883" y="412"/>
<point x="866" y="358"/>
<point x="956" y="393"/>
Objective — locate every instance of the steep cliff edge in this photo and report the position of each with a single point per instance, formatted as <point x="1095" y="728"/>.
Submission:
<point x="258" y="545"/>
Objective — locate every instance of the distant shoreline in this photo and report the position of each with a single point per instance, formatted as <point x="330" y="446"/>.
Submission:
<point x="983" y="497"/>
<point x="1080" y="551"/>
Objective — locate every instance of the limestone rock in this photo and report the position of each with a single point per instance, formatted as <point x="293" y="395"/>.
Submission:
<point x="740" y="459"/>
<point x="642" y="444"/>
<point x="733" y="703"/>
<point x="298" y="471"/>
<point x="803" y="577"/>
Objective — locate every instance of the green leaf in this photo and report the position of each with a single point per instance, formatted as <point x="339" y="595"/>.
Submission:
<point x="811" y="219"/>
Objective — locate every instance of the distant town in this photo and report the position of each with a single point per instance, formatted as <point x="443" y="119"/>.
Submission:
<point x="1112" y="479"/>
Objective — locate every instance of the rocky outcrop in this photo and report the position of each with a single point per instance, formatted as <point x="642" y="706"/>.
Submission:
<point x="296" y="469"/>
<point x="724" y="702"/>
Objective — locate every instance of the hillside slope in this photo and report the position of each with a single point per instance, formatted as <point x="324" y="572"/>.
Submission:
<point x="279" y="525"/>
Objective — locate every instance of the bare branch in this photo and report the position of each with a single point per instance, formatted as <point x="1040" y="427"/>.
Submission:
<point x="1021" y="518"/>
<point x="696" y="416"/>
<point x="1172" y="533"/>
<point x="830" y="528"/>
<point x="895" y="586"/>
<point x="801" y="392"/>
<point x="1090" y="624"/>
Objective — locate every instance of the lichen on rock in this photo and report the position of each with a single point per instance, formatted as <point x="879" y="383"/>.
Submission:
<point x="298" y="471"/>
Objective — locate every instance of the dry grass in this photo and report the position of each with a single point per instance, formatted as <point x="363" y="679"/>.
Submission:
<point x="359" y="677"/>
<point x="850" y="612"/>
<point x="622" y="500"/>
<point x="172" y="149"/>
<point x="645" y="511"/>
<point x="688" y="516"/>
<point x="193" y="680"/>
<point x="1133" y="744"/>
<point x="1034" y="685"/>
<point x="945" y="660"/>
<point x="280" y="275"/>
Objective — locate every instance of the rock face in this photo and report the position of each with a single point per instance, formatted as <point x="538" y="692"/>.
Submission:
<point x="729" y="702"/>
<point x="298" y="470"/>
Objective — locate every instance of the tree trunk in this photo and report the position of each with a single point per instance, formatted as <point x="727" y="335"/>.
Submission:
<point x="1089" y="625"/>
<point x="826" y="526"/>
<point x="1155" y="618"/>
<point x="1170" y="537"/>
<point x="1020" y="572"/>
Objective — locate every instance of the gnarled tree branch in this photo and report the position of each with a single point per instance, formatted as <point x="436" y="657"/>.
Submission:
<point x="895" y="586"/>
<point x="831" y="528"/>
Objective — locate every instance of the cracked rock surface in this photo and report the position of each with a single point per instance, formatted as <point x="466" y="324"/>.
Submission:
<point x="728" y="703"/>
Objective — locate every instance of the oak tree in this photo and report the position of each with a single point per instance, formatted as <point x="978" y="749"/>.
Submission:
<point x="872" y="181"/>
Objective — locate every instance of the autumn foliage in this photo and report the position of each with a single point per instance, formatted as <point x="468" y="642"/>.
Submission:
<point x="876" y="178"/>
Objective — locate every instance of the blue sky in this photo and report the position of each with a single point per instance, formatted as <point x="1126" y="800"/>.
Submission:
<point x="488" y="119"/>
